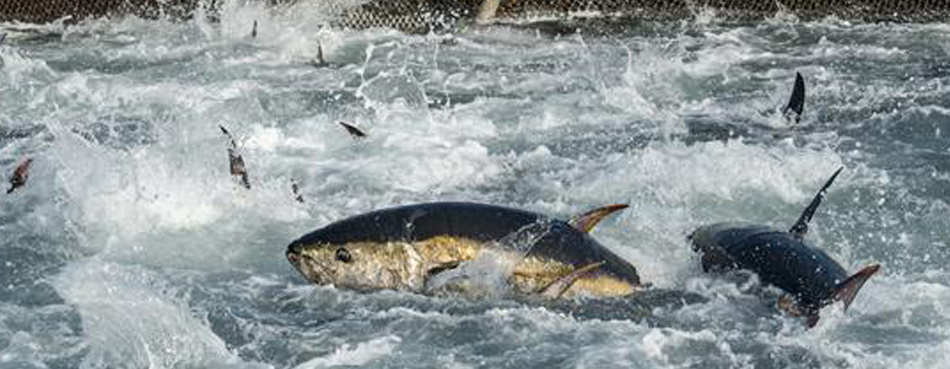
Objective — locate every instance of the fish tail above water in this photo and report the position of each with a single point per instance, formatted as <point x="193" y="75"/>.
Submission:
<point x="352" y="130"/>
<point x="796" y="103"/>
<point x="847" y="290"/>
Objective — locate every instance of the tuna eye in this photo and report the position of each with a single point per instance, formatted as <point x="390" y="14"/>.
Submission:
<point x="343" y="255"/>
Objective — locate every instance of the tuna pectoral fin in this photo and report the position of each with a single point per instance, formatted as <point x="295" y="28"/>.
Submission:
<point x="586" y="222"/>
<point x="850" y="287"/>
<point x="558" y="287"/>
<point x="439" y="268"/>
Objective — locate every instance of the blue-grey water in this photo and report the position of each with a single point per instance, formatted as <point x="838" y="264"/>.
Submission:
<point x="131" y="246"/>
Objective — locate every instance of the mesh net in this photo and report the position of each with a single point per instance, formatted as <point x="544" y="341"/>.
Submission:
<point x="424" y="15"/>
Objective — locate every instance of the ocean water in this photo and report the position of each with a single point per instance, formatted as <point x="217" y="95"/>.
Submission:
<point x="131" y="246"/>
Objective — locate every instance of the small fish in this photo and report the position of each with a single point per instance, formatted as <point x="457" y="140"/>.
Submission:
<point x="20" y="175"/>
<point x="237" y="162"/>
<point x="355" y="132"/>
<point x="297" y="195"/>
<point x="3" y="38"/>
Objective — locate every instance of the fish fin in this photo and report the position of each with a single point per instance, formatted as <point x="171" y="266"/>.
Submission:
<point x="225" y="131"/>
<point x="801" y="226"/>
<point x="318" y="61"/>
<point x="353" y="130"/>
<point x="254" y="30"/>
<point x="847" y="290"/>
<point x="561" y="285"/>
<point x="487" y="11"/>
<point x="320" y="58"/>
<point x="586" y="222"/>
<point x="442" y="267"/>
<point x="446" y="285"/>
<point x="796" y="103"/>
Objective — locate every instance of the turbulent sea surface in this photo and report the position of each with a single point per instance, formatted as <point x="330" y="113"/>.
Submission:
<point x="131" y="246"/>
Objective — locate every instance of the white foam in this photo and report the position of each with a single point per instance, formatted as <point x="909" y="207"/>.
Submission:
<point x="364" y="353"/>
<point x="128" y="321"/>
<point x="672" y="187"/>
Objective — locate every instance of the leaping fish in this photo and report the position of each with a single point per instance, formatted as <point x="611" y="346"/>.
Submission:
<point x="20" y="175"/>
<point x="810" y="278"/>
<point x="238" y="170"/>
<point x="407" y="247"/>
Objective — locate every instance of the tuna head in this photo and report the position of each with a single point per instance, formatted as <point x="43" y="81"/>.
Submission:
<point x="364" y="265"/>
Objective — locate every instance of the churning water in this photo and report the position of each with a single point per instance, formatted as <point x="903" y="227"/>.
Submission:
<point x="131" y="246"/>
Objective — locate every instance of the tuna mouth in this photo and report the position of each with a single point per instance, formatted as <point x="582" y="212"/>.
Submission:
<point x="310" y="269"/>
<point x="293" y="257"/>
<point x="293" y="253"/>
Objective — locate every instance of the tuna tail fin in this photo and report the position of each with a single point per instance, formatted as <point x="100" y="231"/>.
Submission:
<point x="587" y="221"/>
<point x="847" y="290"/>
<point x="801" y="226"/>
<point x="796" y="103"/>
<point x="561" y="285"/>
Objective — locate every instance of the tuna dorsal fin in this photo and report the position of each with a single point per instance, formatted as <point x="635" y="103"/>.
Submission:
<point x="586" y="222"/>
<point x="801" y="226"/>
<point x="796" y="103"/>
<point x="846" y="290"/>
<point x="558" y="287"/>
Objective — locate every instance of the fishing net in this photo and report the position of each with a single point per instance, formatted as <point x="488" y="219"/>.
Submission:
<point x="424" y="15"/>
